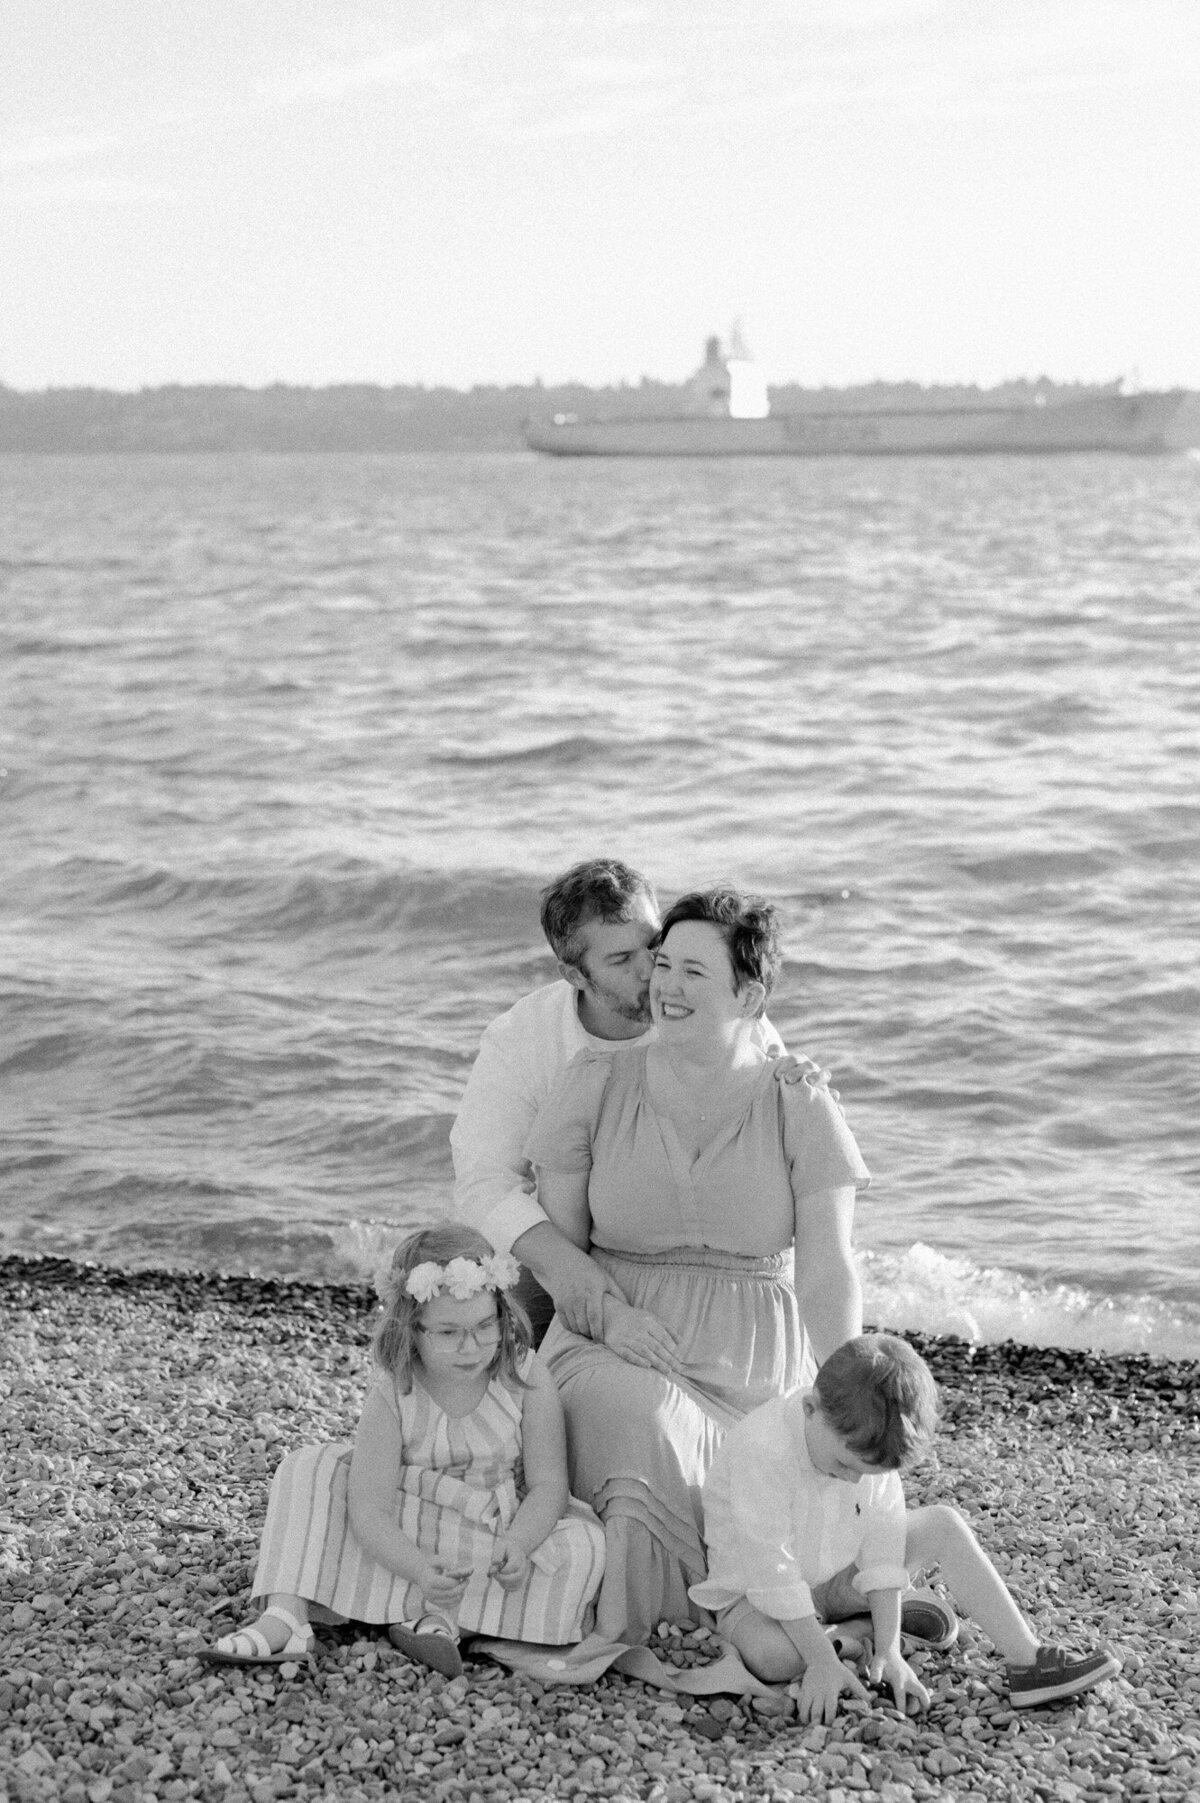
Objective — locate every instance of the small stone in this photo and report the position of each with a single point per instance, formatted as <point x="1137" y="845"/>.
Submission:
<point x="22" y="1615"/>
<point x="771" y="1705"/>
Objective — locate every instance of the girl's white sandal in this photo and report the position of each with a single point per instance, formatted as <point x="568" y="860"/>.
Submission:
<point x="250" y="1646"/>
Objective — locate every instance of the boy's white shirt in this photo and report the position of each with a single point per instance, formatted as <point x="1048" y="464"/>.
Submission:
<point x="521" y="1057"/>
<point x="775" y="1526"/>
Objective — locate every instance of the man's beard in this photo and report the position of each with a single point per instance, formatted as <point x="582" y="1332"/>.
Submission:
<point x="634" y="1011"/>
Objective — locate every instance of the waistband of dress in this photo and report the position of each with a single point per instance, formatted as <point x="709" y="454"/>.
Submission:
<point x="771" y="1268"/>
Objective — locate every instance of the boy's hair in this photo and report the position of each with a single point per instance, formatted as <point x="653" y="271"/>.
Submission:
<point x="598" y="889"/>
<point x="880" y="1396"/>
<point x="394" y="1345"/>
<point x="748" y="925"/>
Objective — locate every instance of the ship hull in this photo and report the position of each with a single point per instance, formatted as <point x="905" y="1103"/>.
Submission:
<point x="1105" y="422"/>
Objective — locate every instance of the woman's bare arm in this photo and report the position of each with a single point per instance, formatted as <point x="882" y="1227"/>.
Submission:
<point x="827" y="1285"/>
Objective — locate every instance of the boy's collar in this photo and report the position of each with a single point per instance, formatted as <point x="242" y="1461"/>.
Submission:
<point x="795" y="1415"/>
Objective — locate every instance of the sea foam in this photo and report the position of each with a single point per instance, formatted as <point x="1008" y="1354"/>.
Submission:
<point x="937" y="1292"/>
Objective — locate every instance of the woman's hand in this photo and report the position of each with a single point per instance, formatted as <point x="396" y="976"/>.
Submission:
<point x="639" y="1337"/>
<point x="510" y="1564"/>
<point x="895" y="1670"/>
<point x="442" y="1583"/>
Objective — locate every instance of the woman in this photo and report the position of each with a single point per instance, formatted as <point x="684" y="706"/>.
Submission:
<point x="689" y="1175"/>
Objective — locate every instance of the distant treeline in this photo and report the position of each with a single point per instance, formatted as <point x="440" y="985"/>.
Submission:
<point x="366" y="418"/>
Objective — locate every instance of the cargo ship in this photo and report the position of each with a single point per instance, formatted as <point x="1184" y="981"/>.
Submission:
<point x="725" y="413"/>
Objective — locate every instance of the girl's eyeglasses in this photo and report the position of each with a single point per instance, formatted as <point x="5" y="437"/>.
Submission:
<point x="446" y="1337"/>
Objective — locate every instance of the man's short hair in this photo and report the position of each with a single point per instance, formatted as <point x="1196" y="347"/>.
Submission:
<point x="880" y="1396"/>
<point x="598" y="889"/>
<point x="747" y="924"/>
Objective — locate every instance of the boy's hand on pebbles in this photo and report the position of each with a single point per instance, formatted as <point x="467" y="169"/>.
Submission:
<point x="911" y="1696"/>
<point x="510" y="1566"/>
<point x="823" y="1683"/>
<point x="443" y="1583"/>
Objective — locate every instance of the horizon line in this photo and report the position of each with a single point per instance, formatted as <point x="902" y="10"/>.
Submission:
<point x="539" y="383"/>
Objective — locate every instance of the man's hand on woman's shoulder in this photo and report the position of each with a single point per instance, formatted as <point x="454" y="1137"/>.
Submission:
<point x="793" y="1067"/>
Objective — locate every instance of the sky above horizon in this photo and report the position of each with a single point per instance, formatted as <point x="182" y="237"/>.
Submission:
<point x="258" y="191"/>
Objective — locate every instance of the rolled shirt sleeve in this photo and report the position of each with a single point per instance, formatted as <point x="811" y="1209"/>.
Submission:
<point x="881" y="1558"/>
<point x="521" y="1056"/>
<point x="764" y="1519"/>
<point x="493" y="1184"/>
<point x="750" y="1522"/>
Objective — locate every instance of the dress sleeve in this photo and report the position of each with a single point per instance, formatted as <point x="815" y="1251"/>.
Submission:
<point x="881" y="1558"/>
<point x="561" y="1136"/>
<point x="819" y="1146"/>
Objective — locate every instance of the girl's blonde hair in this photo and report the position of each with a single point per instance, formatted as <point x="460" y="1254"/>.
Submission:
<point x="394" y="1345"/>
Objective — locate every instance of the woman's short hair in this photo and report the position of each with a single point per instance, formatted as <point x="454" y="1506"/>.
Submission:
<point x="748" y="925"/>
<point x="598" y="889"/>
<point x="880" y="1396"/>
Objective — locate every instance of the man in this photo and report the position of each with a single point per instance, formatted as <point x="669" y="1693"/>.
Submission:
<point x="601" y="920"/>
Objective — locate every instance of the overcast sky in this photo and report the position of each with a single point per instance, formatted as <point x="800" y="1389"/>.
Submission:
<point x="318" y="191"/>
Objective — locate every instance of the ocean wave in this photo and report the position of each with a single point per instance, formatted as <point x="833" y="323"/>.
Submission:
<point x="275" y="901"/>
<point x="564" y="753"/>
<point x="1041" y="864"/>
<point x="937" y="1292"/>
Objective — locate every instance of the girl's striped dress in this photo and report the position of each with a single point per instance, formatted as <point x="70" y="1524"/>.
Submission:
<point x="459" y="1485"/>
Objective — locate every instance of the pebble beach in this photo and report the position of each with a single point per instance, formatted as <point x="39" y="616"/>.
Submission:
<point x="143" y="1414"/>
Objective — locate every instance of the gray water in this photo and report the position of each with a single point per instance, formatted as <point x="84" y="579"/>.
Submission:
<point x="290" y="745"/>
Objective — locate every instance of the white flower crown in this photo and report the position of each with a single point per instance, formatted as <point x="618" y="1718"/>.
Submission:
<point x="460" y="1278"/>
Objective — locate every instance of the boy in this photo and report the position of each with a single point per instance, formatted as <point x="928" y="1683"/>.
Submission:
<point x="804" y="1515"/>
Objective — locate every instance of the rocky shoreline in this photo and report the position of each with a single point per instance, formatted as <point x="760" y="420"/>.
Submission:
<point x="142" y="1416"/>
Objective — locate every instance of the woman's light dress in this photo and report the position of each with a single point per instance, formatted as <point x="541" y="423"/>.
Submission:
<point x="457" y="1488"/>
<point x="704" y="1245"/>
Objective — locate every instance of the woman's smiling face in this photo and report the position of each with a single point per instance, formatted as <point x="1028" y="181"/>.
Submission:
<point x="692" y="992"/>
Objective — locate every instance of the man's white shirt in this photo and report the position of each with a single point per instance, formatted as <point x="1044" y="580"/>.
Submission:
<point x="521" y="1057"/>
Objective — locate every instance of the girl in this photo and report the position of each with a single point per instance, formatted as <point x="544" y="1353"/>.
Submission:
<point x="450" y="1511"/>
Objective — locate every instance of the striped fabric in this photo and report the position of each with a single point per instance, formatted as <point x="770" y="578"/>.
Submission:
<point x="458" y="1490"/>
